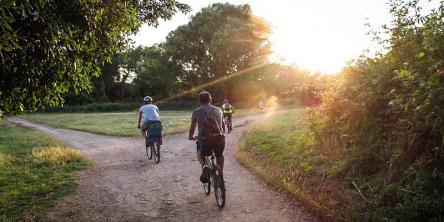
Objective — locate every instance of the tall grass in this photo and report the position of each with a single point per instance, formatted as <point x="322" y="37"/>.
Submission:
<point x="36" y="170"/>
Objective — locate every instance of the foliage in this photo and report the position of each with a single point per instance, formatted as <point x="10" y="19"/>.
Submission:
<point x="219" y="40"/>
<point x="156" y="74"/>
<point x="382" y="125"/>
<point x="48" y="47"/>
<point x="36" y="171"/>
<point x="168" y="73"/>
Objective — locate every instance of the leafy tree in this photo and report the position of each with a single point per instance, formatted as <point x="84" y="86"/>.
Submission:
<point x="156" y="75"/>
<point x="219" y="40"/>
<point x="50" y="46"/>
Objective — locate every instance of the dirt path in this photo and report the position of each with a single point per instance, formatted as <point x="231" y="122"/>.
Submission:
<point x="125" y="186"/>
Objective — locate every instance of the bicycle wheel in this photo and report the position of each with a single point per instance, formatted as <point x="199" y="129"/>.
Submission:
<point x="207" y="185"/>
<point x="156" y="148"/>
<point x="219" y="186"/>
<point x="149" y="151"/>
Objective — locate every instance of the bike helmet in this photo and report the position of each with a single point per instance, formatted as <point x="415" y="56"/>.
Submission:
<point x="148" y="99"/>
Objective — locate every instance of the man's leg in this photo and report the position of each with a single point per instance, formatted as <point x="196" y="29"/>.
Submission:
<point x="223" y="122"/>
<point x="220" y="161"/>
<point x="219" y="153"/>
<point x="201" y="159"/>
<point x="143" y="132"/>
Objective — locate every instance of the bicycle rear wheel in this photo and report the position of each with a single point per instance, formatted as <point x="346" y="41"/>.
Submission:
<point x="149" y="151"/>
<point x="156" y="149"/>
<point x="219" y="186"/>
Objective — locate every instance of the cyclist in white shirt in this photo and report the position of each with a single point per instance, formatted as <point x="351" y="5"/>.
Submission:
<point x="147" y="112"/>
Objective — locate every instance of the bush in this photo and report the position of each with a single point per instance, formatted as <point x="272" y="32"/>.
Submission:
<point x="382" y="119"/>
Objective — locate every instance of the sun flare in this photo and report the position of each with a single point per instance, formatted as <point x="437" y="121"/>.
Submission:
<point x="317" y="35"/>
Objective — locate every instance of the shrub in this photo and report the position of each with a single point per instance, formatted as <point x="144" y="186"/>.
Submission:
<point x="382" y="119"/>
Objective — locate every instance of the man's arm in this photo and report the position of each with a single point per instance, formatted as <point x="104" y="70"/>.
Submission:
<point x="140" y="119"/>
<point x="192" y="129"/>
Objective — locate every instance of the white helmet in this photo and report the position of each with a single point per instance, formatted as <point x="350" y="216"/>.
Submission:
<point x="148" y="99"/>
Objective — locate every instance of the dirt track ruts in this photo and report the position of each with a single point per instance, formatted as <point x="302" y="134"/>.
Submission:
<point x="124" y="185"/>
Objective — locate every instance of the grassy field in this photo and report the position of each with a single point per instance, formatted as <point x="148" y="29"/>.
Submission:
<point x="117" y="124"/>
<point x="279" y="151"/>
<point x="36" y="170"/>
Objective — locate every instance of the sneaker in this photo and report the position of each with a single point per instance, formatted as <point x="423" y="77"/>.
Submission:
<point x="204" y="175"/>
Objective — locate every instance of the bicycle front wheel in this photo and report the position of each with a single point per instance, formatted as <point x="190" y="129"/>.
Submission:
<point x="219" y="186"/>
<point x="207" y="186"/>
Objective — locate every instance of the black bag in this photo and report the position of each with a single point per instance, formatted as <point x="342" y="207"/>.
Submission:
<point x="211" y="131"/>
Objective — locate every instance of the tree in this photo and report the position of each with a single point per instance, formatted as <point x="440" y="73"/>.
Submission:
<point x="156" y="75"/>
<point x="219" y="40"/>
<point x="48" y="47"/>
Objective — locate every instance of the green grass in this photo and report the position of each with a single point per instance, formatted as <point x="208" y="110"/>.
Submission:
<point x="36" y="170"/>
<point x="281" y="151"/>
<point x="117" y="124"/>
<point x="277" y="141"/>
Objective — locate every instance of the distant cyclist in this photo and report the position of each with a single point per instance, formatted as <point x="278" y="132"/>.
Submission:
<point x="210" y="137"/>
<point x="148" y="112"/>
<point x="261" y="106"/>
<point x="227" y="110"/>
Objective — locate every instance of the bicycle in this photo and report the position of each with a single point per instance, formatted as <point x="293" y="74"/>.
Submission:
<point x="215" y="178"/>
<point x="153" y="140"/>
<point x="153" y="149"/>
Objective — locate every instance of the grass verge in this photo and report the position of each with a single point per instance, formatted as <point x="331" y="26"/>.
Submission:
<point x="36" y="170"/>
<point x="280" y="151"/>
<point x="117" y="124"/>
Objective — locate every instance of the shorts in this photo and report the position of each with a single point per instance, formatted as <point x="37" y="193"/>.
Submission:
<point x="156" y="126"/>
<point x="207" y="149"/>
<point x="154" y="132"/>
<point x="144" y="126"/>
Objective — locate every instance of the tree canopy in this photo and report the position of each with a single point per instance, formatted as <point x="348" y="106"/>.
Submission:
<point x="48" y="47"/>
<point x="219" y="40"/>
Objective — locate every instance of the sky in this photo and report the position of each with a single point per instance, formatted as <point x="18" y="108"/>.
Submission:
<point x="318" y="35"/>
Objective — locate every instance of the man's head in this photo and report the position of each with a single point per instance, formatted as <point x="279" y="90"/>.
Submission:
<point x="225" y="101"/>
<point x="204" y="98"/>
<point x="147" y="100"/>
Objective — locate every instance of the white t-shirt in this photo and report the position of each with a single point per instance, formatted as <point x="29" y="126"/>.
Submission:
<point x="149" y="112"/>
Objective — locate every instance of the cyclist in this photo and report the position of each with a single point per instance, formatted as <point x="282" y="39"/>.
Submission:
<point x="209" y="120"/>
<point x="149" y="112"/>
<point x="261" y="106"/>
<point x="227" y="110"/>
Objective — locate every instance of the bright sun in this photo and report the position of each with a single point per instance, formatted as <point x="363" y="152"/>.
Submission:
<point x="319" y="35"/>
